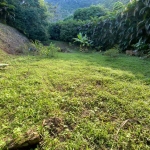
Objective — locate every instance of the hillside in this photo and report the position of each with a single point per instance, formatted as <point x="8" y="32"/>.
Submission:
<point x="67" y="7"/>
<point x="11" y="40"/>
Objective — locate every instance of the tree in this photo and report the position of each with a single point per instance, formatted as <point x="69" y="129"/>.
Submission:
<point x="125" y="27"/>
<point x="118" y="7"/>
<point x="30" y="18"/>
<point x="89" y="12"/>
<point x="68" y="7"/>
<point x="6" y="10"/>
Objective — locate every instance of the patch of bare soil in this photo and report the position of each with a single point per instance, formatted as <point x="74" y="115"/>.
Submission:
<point x="54" y="125"/>
<point x="12" y="41"/>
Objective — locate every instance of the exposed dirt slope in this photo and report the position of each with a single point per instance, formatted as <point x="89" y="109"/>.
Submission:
<point x="11" y="40"/>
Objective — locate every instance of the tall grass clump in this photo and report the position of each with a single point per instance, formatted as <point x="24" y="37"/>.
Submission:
<point x="113" y="52"/>
<point x="46" y="51"/>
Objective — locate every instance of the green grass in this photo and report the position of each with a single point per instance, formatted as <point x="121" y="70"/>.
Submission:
<point x="103" y="103"/>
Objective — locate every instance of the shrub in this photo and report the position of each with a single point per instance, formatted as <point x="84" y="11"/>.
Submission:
<point x="141" y="46"/>
<point x="51" y="50"/>
<point x="70" y="29"/>
<point x="113" y="52"/>
<point x="88" y="12"/>
<point x="54" y="31"/>
<point x="46" y="51"/>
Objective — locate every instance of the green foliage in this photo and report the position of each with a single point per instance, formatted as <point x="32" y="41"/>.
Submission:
<point x="124" y="26"/>
<point x="54" y="31"/>
<point x="6" y="10"/>
<point x="65" y="31"/>
<point x="141" y="45"/>
<point x="68" y="18"/>
<point x="69" y="30"/>
<point x="30" y="18"/>
<point x="118" y="6"/>
<point x="83" y="40"/>
<point x="89" y="12"/>
<point x="46" y="51"/>
<point x="50" y="51"/>
<point x="65" y="8"/>
<point x="113" y="52"/>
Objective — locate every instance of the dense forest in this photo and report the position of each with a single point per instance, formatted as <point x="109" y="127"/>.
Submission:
<point x="28" y="16"/>
<point x="66" y="8"/>
<point x="126" y="25"/>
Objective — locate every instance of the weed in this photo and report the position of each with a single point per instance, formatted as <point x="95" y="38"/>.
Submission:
<point x="113" y="53"/>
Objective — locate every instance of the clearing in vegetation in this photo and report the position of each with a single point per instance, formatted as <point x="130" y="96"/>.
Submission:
<point x="77" y="101"/>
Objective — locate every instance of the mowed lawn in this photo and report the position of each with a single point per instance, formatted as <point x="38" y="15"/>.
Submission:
<point x="99" y="103"/>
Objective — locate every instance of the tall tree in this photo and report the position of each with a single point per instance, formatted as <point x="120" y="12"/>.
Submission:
<point x="6" y="10"/>
<point x="89" y="12"/>
<point x="30" y="18"/>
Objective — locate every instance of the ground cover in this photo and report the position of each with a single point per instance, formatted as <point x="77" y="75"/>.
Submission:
<point x="87" y="101"/>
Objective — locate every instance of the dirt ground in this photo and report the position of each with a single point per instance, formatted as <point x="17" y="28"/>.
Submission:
<point x="11" y="41"/>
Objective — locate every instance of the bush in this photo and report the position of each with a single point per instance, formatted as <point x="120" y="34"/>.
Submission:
<point x="46" y="51"/>
<point x="49" y="51"/>
<point x="142" y="47"/>
<point x="70" y="29"/>
<point x="88" y="12"/>
<point x="65" y="31"/>
<point x="113" y="53"/>
<point x="54" y="31"/>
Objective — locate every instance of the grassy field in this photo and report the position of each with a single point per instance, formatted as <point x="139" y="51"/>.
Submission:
<point x="92" y="102"/>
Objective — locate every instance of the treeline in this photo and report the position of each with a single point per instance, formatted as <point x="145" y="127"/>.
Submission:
<point x="65" y="8"/>
<point x="28" y="16"/>
<point x="127" y="25"/>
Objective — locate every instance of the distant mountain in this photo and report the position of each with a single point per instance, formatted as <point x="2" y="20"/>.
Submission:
<point x="67" y="7"/>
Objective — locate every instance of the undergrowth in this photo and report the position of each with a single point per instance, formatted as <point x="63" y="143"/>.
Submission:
<point x="99" y="103"/>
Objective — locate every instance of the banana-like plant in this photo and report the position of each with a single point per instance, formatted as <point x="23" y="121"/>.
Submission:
<point x="83" y="40"/>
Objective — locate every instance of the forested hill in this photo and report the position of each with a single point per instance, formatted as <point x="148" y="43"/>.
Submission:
<point x="67" y="7"/>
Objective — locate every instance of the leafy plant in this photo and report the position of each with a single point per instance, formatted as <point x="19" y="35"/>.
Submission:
<point x="46" y="51"/>
<point x="49" y="51"/>
<point x="118" y="6"/>
<point x="140" y="45"/>
<point x="6" y="10"/>
<point x="88" y="12"/>
<point x="83" y="40"/>
<point x="31" y="17"/>
<point x="113" y="52"/>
